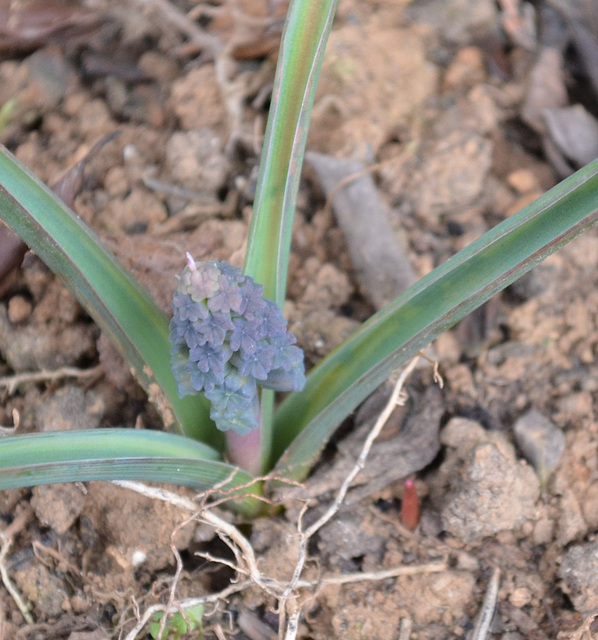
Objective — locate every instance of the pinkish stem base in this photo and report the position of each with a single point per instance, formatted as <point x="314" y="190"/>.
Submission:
<point x="244" y="450"/>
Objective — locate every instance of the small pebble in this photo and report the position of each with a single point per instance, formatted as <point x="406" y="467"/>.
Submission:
<point x="523" y="181"/>
<point x="579" y="573"/>
<point x="543" y="531"/>
<point x="19" y="309"/>
<point x="520" y="597"/>
<point x="526" y="529"/>
<point x="58" y="505"/>
<point x="467" y="562"/>
<point x="467" y="68"/>
<point x="138" y="557"/>
<point x="117" y="182"/>
<point x="70" y="408"/>
<point x="541" y="442"/>
<point x="493" y="495"/>
<point x="196" y="160"/>
<point x="571" y="525"/>
<point x="79" y="604"/>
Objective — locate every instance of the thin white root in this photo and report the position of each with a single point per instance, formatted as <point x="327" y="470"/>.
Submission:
<point x="13" y="382"/>
<point x="10" y="587"/>
<point x="395" y="399"/>
<point x="221" y="526"/>
<point x="155" y="493"/>
<point x="185" y="604"/>
<point x="405" y="628"/>
<point x="292" y="625"/>
<point x="246" y="563"/>
<point x="482" y="627"/>
<point x="373" y="576"/>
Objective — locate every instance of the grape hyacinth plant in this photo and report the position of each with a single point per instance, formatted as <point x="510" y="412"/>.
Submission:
<point x="227" y="339"/>
<point x="212" y="370"/>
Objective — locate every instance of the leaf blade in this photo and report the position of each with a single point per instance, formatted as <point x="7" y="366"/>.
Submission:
<point x="306" y="420"/>
<point x="119" y="454"/>
<point x="111" y="296"/>
<point x="304" y="38"/>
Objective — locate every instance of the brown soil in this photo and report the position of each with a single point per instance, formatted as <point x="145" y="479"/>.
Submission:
<point x="445" y="95"/>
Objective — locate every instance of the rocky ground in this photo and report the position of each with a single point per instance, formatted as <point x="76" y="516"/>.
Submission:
<point x="465" y="110"/>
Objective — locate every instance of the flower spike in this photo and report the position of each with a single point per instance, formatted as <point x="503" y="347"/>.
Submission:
<point x="227" y="339"/>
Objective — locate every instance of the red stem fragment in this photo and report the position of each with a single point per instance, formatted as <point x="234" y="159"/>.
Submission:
<point x="410" y="506"/>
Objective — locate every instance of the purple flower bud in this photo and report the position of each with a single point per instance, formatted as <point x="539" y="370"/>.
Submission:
<point x="228" y="298"/>
<point x="215" y="328"/>
<point x="256" y="365"/>
<point x="244" y="336"/>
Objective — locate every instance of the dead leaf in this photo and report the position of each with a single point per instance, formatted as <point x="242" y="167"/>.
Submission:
<point x="28" y="24"/>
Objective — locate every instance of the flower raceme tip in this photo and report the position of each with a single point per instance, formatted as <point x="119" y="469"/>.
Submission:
<point x="227" y="340"/>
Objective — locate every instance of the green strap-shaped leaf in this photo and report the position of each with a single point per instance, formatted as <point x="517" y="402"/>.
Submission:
<point x="111" y="296"/>
<point x="306" y="31"/>
<point x="120" y="454"/>
<point x="304" y="38"/>
<point x="305" y="421"/>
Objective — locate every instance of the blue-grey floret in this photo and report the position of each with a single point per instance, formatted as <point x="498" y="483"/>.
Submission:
<point x="227" y="339"/>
